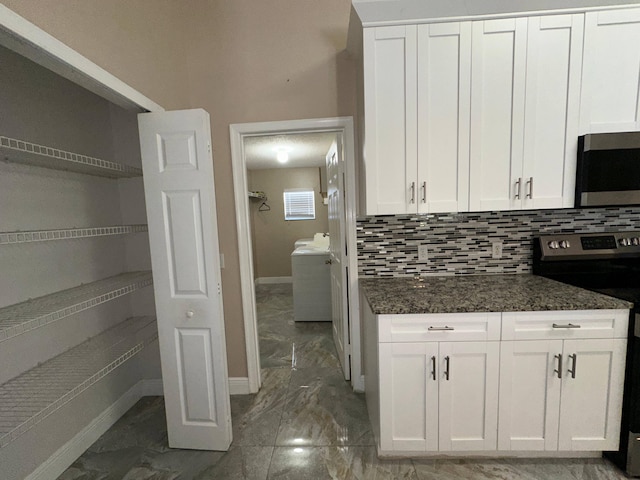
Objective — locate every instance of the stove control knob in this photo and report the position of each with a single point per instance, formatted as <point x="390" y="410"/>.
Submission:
<point x="553" y="244"/>
<point x="635" y="241"/>
<point x="625" y="242"/>
<point x="564" y="244"/>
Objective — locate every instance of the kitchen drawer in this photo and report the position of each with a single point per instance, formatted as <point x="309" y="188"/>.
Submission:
<point x="439" y="327"/>
<point x="565" y="324"/>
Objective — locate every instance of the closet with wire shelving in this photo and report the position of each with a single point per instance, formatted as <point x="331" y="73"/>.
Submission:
<point x="78" y="336"/>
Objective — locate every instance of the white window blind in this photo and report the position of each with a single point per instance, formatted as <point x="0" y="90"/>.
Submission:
<point x="299" y="204"/>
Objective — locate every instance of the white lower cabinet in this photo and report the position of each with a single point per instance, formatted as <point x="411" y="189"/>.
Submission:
<point x="553" y="383"/>
<point x="440" y="396"/>
<point x="561" y="395"/>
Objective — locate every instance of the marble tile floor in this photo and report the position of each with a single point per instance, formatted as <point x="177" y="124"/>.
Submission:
<point x="305" y="423"/>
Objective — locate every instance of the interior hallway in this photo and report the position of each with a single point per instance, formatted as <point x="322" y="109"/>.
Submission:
<point x="305" y="423"/>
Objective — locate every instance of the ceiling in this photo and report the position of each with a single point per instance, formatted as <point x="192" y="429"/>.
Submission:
<point x="304" y="150"/>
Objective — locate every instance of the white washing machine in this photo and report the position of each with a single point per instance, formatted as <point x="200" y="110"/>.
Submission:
<point x="311" y="273"/>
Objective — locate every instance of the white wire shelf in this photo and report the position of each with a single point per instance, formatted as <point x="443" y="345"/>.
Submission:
<point x="8" y="238"/>
<point x="34" y="395"/>
<point x="38" y="312"/>
<point x="21" y="151"/>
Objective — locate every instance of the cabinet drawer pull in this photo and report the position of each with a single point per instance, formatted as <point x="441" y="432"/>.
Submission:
<point x="574" y="360"/>
<point x="559" y="370"/>
<point x="446" y="368"/>
<point x="413" y="192"/>
<point x="433" y="368"/>
<point x="441" y="329"/>
<point x="568" y="325"/>
<point x="530" y="187"/>
<point x="518" y="188"/>
<point x="424" y="192"/>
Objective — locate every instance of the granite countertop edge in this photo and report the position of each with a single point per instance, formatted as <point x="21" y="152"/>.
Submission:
<point x="479" y="293"/>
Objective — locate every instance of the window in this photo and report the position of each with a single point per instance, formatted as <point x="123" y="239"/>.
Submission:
<point x="299" y="204"/>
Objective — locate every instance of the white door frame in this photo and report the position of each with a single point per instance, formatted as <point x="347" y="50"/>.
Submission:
<point x="238" y="132"/>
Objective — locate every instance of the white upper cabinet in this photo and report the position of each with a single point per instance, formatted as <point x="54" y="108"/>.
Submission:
<point x="524" y="113"/>
<point x="444" y="75"/>
<point x="497" y="113"/>
<point x="611" y="86"/>
<point x="390" y="119"/>
<point x="484" y="115"/>
<point x="554" y="63"/>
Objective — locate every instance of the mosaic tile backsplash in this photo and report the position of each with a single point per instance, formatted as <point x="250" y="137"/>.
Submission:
<point x="460" y="243"/>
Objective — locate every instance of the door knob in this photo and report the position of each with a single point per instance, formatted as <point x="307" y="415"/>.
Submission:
<point x="190" y="313"/>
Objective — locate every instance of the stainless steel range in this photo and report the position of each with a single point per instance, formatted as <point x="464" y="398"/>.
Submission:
<point x="608" y="263"/>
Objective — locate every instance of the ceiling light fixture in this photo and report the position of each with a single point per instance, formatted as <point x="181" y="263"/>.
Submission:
<point x="282" y="156"/>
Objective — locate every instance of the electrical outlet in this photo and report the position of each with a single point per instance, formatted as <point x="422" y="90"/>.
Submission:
<point x="496" y="250"/>
<point x="423" y="253"/>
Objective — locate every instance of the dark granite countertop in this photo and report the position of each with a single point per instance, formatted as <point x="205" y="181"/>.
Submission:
<point x="480" y="293"/>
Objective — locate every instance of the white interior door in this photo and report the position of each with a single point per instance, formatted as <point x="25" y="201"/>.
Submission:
<point x="338" y="255"/>
<point x="179" y="193"/>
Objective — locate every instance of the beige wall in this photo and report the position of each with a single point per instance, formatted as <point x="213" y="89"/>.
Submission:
<point x="242" y="61"/>
<point x="273" y="237"/>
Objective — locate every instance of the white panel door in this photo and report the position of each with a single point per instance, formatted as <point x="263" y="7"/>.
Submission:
<point x="610" y="100"/>
<point x="468" y="397"/>
<point x="444" y="90"/>
<point x="591" y="399"/>
<point x="409" y="396"/>
<point x="497" y="113"/>
<point x="529" y="405"/>
<point x="552" y="110"/>
<point x="181" y="211"/>
<point x="338" y="255"/>
<point x="390" y="96"/>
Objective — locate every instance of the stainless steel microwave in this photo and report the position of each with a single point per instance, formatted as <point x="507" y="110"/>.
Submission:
<point x="608" y="169"/>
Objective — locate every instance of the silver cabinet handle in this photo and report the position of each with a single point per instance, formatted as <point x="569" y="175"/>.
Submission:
<point x="518" y="188"/>
<point x="446" y="368"/>
<point x="559" y="370"/>
<point x="574" y="360"/>
<point x="568" y="325"/>
<point x="440" y="329"/>
<point x="413" y="192"/>
<point x="424" y="192"/>
<point x="433" y="368"/>
<point x="530" y="187"/>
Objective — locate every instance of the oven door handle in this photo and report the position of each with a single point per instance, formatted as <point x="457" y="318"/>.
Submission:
<point x="568" y="325"/>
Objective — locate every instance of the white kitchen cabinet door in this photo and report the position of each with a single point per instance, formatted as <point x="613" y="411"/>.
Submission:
<point x="552" y="109"/>
<point x="409" y="396"/>
<point x="498" y="65"/>
<point x="390" y="98"/>
<point x="183" y="236"/>
<point x="444" y="91"/>
<point x="529" y="395"/>
<point x="591" y="399"/>
<point x="610" y="100"/>
<point x="468" y="397"/>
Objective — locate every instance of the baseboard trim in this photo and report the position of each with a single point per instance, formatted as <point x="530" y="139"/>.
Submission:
<point x="57" y="463"/>
<point x="268" y="280"/>
<point x="151" y="387"/>
<point x="239" y="386"/>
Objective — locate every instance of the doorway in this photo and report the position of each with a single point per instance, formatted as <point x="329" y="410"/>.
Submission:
<point x="342" y="127"/>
